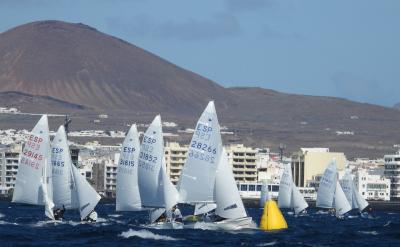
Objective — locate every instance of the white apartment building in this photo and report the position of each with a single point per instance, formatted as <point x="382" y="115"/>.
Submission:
<point x="372" y="185"/>
<point x="175" y="158"/>
<point x="241" y="158"/>
<point x="392" y="172"/>
<point x="110" y="174"/>
<point x="243" y="162"/>
<point x="9" y="157"/>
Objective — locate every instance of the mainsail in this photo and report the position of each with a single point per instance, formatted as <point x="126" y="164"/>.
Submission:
<point x="128" y="195"/>
<point x="229" y="203"/>
<point x="150" y="161"/>
<point x="197" y="179"/>
<point x="64" y="190"/>
<point x="285" y="188"/>
<point x="289" y="195"/>
<point x="33" y="183"/>
<point x="347" y="185"/>
<point x="327" y="185"/>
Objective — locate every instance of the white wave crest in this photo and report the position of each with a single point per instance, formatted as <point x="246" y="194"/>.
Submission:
<point x="115" y="215"/>
<point x="1" y="215"/>
<point x="369" y="232"/>
<point x="7" y="223"/>
<point x="146" y="234"/>
<point x="268" y="244"/>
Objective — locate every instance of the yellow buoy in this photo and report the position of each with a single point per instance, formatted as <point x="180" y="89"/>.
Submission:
<point x="272" y="218"/>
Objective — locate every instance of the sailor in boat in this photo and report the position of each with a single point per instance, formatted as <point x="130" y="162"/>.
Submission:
<point x="176" y="214"/>
<point x="92" y="217"/>
<point x="162" y="218"/>
<point x="59" y="213"/>
<point x="366" y="213"/>
<point x="212" y="217"/>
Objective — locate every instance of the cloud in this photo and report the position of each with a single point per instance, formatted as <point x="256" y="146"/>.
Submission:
<point x="249" y="5"/>
<point x="218" y="26"/>
<point x="268" y="32"/>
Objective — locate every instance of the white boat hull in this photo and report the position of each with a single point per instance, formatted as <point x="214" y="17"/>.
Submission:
<point x="166" y="225"/>
<point x="228" y="224"/>
<point x="234" y="224"/>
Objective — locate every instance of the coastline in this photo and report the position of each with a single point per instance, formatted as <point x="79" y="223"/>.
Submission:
<point x="392" y="206"/>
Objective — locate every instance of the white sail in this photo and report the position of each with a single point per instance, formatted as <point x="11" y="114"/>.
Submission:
<point x="171" y="195"/>
<point x="229" y="203"/>
<point x="297" y="200"/>
<point x="87" y="195"/>
<point x="47" y="191"/>
<point x="264" y="194"/>
<point x="156" y="213"/>
<point x="285" y="188"/>
<point x="197" y="179"/>
<point x="64" y="190"/>
<point x="360" y="201"/>
<point x="202" y="208"/>
<point x="342" y="206"/>
<point x="128" y="195"/>
<point x="347" y="186"/>
<point x="150" y="161"/>
<point x="33" y="179"/>
<point x="327" y="187"/>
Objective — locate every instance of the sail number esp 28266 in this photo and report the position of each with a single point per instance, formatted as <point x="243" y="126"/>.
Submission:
<point x="200" y="147"/>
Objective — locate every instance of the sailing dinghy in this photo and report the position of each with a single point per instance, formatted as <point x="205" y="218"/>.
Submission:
<point x="33" y="184"/>
<point x="128" y="195"/>
<point x="157" y="192"/>
<point x="330" y="194"/>
<point x="353" y="196"/>
<point x="289" y="195"/>
<point x="70" y="188"/>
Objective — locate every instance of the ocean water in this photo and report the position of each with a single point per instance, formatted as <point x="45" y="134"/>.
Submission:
<point x="23" y="225"/>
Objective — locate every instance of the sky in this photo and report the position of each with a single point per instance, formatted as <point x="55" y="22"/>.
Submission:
<point x="342" y="48"/>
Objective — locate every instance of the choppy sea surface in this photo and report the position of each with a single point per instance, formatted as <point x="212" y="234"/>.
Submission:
<point x="24" y="225"/>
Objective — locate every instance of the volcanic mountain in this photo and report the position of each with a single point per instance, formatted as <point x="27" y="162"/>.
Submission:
<point x="59" y="67"/>
<point x="78" y="64"/>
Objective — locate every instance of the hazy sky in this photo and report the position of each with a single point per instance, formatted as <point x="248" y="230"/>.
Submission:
<point x="344" y="48"/>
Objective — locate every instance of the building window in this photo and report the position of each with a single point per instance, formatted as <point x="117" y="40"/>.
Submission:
<point x="243" y="187"/>
<point x="252" y="187"/>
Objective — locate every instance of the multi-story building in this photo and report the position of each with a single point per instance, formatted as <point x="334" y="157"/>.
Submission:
<point x="175" y="158"/>
<point x="309" y="162"/>
<point x="110" y="177"/>
<point x="9" y="157"/>
<point x="372" y="185"/>
<point x="243" y="162"/>
<point x="392" y="171"/>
